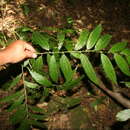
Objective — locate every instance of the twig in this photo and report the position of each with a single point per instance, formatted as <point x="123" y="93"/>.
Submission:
<point x="25" y="92"/>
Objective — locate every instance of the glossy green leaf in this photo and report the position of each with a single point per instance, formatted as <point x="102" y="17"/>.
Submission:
<point x="30" y="84"/>
<point x="103" y="42"/>
<point x="18" y="116"/>
<point x="82" y="40"/>
<point x="123" y="115"/>
<point x="11" y="97"/>
<point x="118" y="47"/>
<point x="42" y="80"/>
<point x="108" y="68"/>
<point x="88" y="68"/>
<point x="93" y="37"/>
<point x="41" y="40"/>
<point x="122" y="64"/>
<point x="126" y="52"/>
<point x="60" y="38"/>
<point x="71" y="84"/>
<point x="66" y="68"/>
<point x="53" y="69"/>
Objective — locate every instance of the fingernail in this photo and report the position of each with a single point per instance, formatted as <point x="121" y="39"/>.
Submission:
<point x="34" y="55"/>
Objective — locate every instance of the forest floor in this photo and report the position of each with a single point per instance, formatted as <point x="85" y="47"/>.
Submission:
<point x="114" y="15"/>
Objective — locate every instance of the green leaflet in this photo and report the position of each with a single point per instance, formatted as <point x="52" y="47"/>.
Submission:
<point x="37" y="64"/>
<point x="93" y="37"/>
<point x="25" y="29"/>
<point x="66" y="68"/>
<point x="123" y="115"/>
<point x="60" y="38"/>
<point x="17" y="103"/>
<point x="18" y="116"/>
<point x="103" y="42"/>
<point x="40" y="40"/>
<point x="24" y="125"/>
<point x="122" y="64"/>
<point x="11" y="97"/>
<point x="42" y="80"/>
<point x="118" y="47"/>
<point x="71" y="102"/>
<point x="128" y="59"/>
<point x="88" y="68"/>
<point x="36" y="109"/>
<point x="71" y="84"/>
<point x="82" y="40"/>
<point x="53" y="69"/>
<point x="126" y="52"/>
<point x="108" y="68"/>
<point x="37" y="116"/>
<point x="30" y="84"/>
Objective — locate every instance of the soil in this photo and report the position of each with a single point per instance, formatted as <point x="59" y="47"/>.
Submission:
<point x="114" y="15"/>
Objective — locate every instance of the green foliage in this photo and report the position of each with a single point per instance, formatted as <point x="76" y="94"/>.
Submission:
<point x="66" y="68"/>
<point x="61" y="65"/>
<point x="41" y="40"/>
<point x="88" y="68"/>
<point x="93" y="37"/>
<point x="108" y="68"/>
<point x="122" y="64"/>
<point x="53" y="69"/>
<point x="82" y="40"/>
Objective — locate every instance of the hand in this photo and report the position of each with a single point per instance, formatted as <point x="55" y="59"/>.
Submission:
<point x="19" y="50"/>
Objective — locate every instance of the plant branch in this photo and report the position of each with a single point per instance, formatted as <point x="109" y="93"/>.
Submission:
<point x="25" y="92"/>
<point x="115" y="95"/>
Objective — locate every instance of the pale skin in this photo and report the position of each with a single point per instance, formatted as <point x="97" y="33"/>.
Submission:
<point x="16" y="52"/>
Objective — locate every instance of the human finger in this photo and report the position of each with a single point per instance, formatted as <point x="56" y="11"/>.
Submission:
<point x="30" y="54"/>
<point x="27" y="46"/>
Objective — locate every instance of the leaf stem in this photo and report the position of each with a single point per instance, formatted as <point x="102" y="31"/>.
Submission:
<point x="25" y="92"/>
<point x="62" y="52"/>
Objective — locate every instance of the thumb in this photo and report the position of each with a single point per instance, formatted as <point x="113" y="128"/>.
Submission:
<point x="30" y="54"/>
